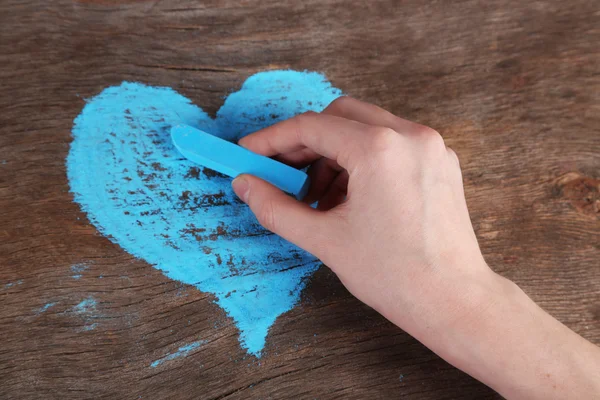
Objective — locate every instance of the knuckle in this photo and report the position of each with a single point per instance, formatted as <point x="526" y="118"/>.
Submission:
<point x="300" y="121"/>
<point x="429" y="134"/>
<point x="338" y="105"/>
<point x="455" y="163"/>
<point x="306" y="115"/>
<point x="432" y="138"/>
<point x="383" y="139"/>
<point x="453" y="156"/>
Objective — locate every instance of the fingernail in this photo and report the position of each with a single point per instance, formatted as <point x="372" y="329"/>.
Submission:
<point x="241" y="187"/>
<point x="241" y="142"/>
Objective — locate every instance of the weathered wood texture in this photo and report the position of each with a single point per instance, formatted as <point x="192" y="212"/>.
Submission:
<point x="513" y="86"/>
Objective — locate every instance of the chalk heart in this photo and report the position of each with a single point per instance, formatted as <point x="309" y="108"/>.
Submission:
<point x="182" y="219"/>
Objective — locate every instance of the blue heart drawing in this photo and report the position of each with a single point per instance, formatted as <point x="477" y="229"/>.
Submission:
<point x="183" y="219"/>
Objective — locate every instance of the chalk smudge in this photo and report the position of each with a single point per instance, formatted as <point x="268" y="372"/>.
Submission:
<point x="86" y="309"/>
<point x="90" y="327"/>
<point x="11" y="284"/>
<point x="182" y="219"/>
<point x="77" y="269"/>
<point x="86" y="306"/>
<point x="181" y="352"/>
<point x="45" y="308"/>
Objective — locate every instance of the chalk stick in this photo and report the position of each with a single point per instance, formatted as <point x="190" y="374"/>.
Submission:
<point x="232" y="160"/>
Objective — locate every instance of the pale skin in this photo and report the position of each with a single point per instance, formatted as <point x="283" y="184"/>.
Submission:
<point x="393" y="224"/>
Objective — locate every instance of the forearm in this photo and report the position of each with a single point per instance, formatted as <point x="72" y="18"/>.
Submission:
<point x="515" y="347"/>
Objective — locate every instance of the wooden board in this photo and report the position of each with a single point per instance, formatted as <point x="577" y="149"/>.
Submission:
<point x="513" y="86"/>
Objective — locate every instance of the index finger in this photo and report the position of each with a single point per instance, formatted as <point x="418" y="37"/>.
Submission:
<point x="329" y="136"/>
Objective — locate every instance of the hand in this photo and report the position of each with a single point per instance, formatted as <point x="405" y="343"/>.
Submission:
<point x="392" y="223"/>
<point x="392" y="220"/>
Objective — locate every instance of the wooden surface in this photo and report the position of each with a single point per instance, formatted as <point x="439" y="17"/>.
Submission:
<point x="513" y="86"/>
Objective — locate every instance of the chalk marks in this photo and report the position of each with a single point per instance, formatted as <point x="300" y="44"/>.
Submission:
<point x="77" y="269"/>
<point x="89" y="327"/>
<point x="12" y="284"/>
<point x="45" y="308"/>
<point x="86" y="306"/>
<point x="87" y="311"/>
<point x="181" y="352"/>
<point x="182" y="219"/>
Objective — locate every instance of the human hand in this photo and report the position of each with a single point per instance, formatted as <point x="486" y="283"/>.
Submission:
<point x="392" y="223"/>
<point x="392" y="220"/>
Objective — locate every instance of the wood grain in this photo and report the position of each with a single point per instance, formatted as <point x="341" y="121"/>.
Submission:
<point x="513" y="86"/>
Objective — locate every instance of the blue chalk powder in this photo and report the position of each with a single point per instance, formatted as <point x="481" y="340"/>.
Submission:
<point x="181" y="352"/>
<point x="86" y="309"/>
<point x="183" y="219"/>
<point x="45" y="308"/>
<point x="86" y="306"/>
<point x="76" y="269"/>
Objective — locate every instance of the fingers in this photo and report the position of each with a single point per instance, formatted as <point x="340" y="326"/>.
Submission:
<point x="302" y="140"/>
<point x="299" y="158"/>
<point x="370" y="114"/>
<point x="329" y="136"/>
<point x="283" y="215"/>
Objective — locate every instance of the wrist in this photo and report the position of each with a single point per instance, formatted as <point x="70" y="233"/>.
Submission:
<point x="463" y="303"/>
<point x="434" y="305"/>
<point x="467" y="333"/>
<point x="469" y="327"/>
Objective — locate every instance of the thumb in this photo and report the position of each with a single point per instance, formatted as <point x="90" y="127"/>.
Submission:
<point x="293" y="220"/>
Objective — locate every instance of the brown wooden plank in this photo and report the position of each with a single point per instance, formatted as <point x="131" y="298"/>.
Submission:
<point x="513" y="86"/>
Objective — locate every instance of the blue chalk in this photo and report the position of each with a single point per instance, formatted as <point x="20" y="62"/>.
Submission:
<point x="128" y="177"/>
<point x="232" y="160"/>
